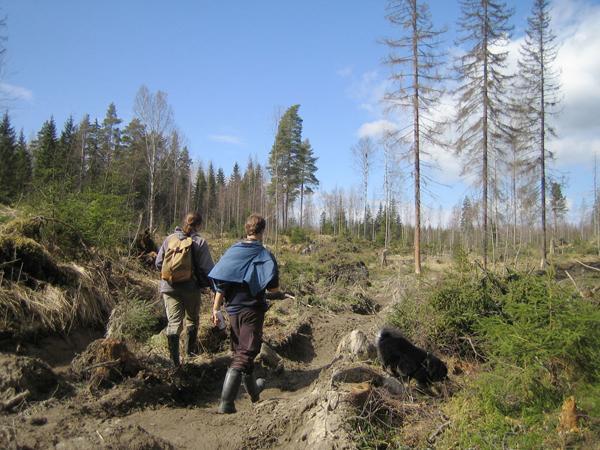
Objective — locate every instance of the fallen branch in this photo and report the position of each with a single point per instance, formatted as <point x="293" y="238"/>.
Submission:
<point x="439" y="430"/>
<point x="9" y="404"/>
<point x="468" y="339"/>
<point x="8" y="263"/>
<point x="574" y="284"/>
<point x="585" y="265"/>
<point x="102" y="364"/>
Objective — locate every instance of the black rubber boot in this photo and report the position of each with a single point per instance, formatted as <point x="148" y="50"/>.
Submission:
<point x="231" y="386"/>
<point x="173" y="340"/>
<point x="192" y="341"/>
<point x="253" y="386"/>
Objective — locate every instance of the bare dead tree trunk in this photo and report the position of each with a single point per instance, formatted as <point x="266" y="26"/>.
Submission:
<point x="416" y="144"/>
<point x="484" y="168"/>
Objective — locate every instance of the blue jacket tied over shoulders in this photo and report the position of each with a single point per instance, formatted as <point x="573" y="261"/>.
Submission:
<point x="243" y="263"/>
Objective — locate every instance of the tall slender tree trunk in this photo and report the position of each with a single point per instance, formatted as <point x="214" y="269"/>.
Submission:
<point x="301" y="203"/>
<point x="82" y="161"/>
<point x="543" y="155"/>
<point x="417" y="241"/>
<point x="484" y="168"/>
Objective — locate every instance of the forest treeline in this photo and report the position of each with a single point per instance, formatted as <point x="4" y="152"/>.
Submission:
<point x="115" y="178"/>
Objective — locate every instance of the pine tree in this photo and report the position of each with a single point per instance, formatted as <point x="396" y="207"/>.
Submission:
<point x="95" y="164"/>
<point x="307" y="169"/>
<point x="419" y="62"/>
<point x="8" y="159"/>
<point x="283" y="160"/>
<point x="481" y="109"/>
<point x="539" y="85"/>
<point x="82" y="148"/>
<point x="130" y="165"/>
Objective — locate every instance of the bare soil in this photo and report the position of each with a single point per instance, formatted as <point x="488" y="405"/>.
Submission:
<point x="152" y="406"/>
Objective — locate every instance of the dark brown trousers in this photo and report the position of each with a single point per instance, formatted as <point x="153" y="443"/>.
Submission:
<point x="246" y="338"/>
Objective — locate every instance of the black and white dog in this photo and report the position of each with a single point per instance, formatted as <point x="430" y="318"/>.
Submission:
<point x="404" y="360"/>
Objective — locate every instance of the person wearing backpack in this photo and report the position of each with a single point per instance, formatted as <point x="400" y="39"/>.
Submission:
<point x="241" y="279"/>
<point x="184" y="262"/>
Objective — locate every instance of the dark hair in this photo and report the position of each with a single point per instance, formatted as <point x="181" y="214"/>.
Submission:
<point x="191" y="222"/>
<point x="255" y="224"/>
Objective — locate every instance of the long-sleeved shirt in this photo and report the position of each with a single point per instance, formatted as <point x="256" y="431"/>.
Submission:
<point x="201" y="259"/>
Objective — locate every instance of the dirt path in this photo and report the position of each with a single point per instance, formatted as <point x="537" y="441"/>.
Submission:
<point x="201" y="427"/>
<point x="89" y="421"/>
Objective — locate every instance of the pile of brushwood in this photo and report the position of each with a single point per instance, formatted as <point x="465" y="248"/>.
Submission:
<point x="532" y="345"/>
<point x="334" y="276"/>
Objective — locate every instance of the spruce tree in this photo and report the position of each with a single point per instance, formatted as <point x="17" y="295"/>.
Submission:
<point x="415" y="61"/>
<point x="67" y="152"/>
<point x="481" y="114"/>
<point x="8" y="159"/>
<point x="22" y="165"/>
<point x="110" y="140"/>
<point x="46" y="154"/>
<point x="539" y="88"/>
<point x="200" y="191"/>
<point x="211" y="192"/>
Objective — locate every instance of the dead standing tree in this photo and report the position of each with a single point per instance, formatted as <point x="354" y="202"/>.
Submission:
<point x="481" y="106"/>
<point x="156" y="116"/>
<point x="364" y="153"/>
<point x="415" y="63"/>
<point x="540" y="87"/>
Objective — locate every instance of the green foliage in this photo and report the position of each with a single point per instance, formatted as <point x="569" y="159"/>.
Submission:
<point x="133" y="319"/>
<point x="458" y="304"/>
<point x="545" y="323"/>
<point x="103" y="219"/>
<point x="540" y="349"/>
<point x="447" y="317"/>
<point x="299" y="235"/>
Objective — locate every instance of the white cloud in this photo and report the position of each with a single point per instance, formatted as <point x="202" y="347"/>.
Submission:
<point x="345" y="72"/>
<point x="375" y="129"/>
<point x="368" y="91"/>
<point x="226" y="139"/>
<point x="14" y="92"/>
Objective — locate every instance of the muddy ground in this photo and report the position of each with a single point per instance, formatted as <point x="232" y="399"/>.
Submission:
<point x="146" y="405"/>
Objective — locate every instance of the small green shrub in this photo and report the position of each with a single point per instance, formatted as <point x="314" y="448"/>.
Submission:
<point x="446" y="316"/>
<point x="542" y="348"/>
<point x="299" y="236"/>
<point x="133" y="319"/>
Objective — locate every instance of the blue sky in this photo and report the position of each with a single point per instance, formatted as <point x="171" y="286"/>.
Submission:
<point x="227" y="66"/>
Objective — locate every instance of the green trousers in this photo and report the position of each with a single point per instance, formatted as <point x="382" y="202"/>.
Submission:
<point x="178" y="304"/>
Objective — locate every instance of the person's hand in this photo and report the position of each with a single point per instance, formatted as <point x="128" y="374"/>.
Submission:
<point x="215" y="317"/>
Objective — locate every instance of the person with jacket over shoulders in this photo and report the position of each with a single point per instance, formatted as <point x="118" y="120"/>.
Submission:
<point x="241" y="280"/>
<point x="182" y="297"/>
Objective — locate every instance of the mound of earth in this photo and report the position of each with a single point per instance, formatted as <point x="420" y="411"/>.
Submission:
<point x="106" y="362"/>
<point x="31" y="377"/>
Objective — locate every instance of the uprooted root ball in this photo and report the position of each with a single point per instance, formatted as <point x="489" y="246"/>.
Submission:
<point x="106" y="362"/>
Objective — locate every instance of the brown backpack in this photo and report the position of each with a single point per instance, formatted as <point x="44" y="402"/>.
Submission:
<point x="177" y="265"/>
